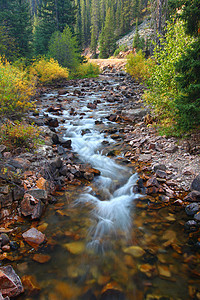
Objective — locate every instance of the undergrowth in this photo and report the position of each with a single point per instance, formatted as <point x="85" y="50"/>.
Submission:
<point x="19" y="134"/>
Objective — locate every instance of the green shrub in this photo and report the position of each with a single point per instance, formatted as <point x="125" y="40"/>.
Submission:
<point x="188" y="100"/>
<point x="162" y="82"/>
<point x="86" y="70"/>
<point x="19" y="134"/>
<point x="139" y="67"/>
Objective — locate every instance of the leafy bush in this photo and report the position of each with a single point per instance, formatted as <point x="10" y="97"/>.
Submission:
<point x="86" y="70"/>
<point x="139" y="67"/>
<point x="162" y="83"/>
<point x="48" y="71"/>
<point x="63" y="47"/>
<point x="16" y="89"/>
<point x="16" y="134"/>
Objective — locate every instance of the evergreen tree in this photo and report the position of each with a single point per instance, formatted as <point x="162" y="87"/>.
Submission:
<point x="107" y="39"/>
<point x="95" y="23"/>
<point x="138" y="42"/>
<point x="45" y="25"/>
<point x="52" y="16"/>
<point x="15" y="15"/>
<point x="64" y="48"/>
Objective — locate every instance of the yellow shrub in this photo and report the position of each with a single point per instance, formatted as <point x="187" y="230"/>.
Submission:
<point x="48" y="71"/>
<point x="139" y="67"/>
<point x="19" y="134"/>
<point x="16" y="89"/>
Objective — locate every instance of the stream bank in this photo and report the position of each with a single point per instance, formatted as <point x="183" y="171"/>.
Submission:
<point x="57" y="173"/>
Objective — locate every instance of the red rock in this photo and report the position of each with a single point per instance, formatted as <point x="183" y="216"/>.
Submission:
<point x="152" y="182"/>
<point x="33" y="236"/>
<point x="2" y="298"/>
<point x="31" y="206"/>
<point x="11" y="285"/>
<point x="91" y="105"/>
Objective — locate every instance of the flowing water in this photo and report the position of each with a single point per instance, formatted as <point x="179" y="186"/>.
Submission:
<point x="102" y="239"/>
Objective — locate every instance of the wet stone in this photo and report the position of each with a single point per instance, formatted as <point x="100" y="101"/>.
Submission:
<point x="192" y="209"/>
<point x="33" y="236"/>
<point x="193" y="196"/>
<point x="191" y="225"/>
<point x="11" y="285"/>
<point x="196" y="184"/>
<point x="197" y="217"/>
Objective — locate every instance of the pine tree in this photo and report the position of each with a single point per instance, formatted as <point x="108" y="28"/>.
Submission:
<point x="15" y="15"/>
<point x="95" y="26"/>
<point x="107" y="39"/>
<point x="52" y="16"/>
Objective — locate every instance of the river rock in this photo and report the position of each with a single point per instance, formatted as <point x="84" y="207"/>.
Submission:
<point x="52" y="122"/>
<point x="66" y="143"/>
<point x="30" y="284"/>
<point x="192" y="209"/>
<point x="33" y="236"/>
<point x="159" y="167"/>
<point x="38" y="193"/>
<point x="191" y="225"/>
<point x="196" y="184"/>
<point x="197" y="217"/>
<point x="193" y="196"/>
<point x="4" y="239"/>
<point x="6" y="200"/>
<point x="161" y="174"/>
<point x="19" y="163"/>
<point x="91" y="105"/>
<point x="152" y="181"/>
<point x="2" y="298"/>
<point x="10" y="283"/>
<point x="75" y="247"/>
<point x="171" y="149"/>
<point x="135" y="251"/>
<point x="31" y="206"/>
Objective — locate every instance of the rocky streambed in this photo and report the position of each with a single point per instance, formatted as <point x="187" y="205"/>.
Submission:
<point x="105" y="208"/>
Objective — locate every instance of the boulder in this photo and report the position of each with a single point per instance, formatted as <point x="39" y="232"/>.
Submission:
<point x="11" y="285"/>
<point x="196" y="184"/>
<point x="31" y="206"/>
<point x="193" y="196"/>
<point x="38" y="193"/>
<point x="192" y="209"/>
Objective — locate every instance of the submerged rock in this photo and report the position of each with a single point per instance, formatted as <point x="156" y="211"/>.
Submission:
<point x="135" y="251"/>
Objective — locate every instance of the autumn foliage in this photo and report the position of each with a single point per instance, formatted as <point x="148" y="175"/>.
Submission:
<point x="48" y="71"/>
<point x="16" y="89"/>
<point x="19" y="134"/>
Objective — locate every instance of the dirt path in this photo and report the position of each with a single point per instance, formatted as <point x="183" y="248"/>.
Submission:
<point x="105" y="63"/>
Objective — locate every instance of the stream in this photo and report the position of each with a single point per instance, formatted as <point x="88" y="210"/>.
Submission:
<point x="103" y="241"/>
